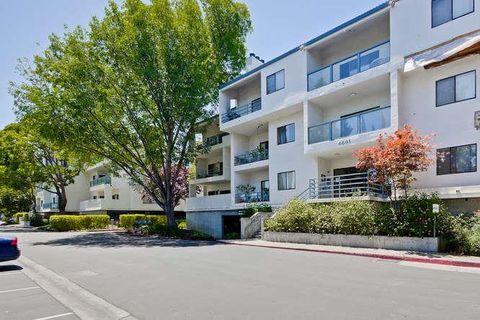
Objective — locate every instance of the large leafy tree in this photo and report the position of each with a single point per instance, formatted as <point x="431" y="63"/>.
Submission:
<point x="133" y="87"/>
<point x="29" y="162"/>
<point x="395" y="159"/>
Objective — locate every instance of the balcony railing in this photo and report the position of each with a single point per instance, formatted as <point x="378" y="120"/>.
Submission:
<point x="252" y="156"/>
<point x="50" y="206"/>
<point x="100" y="181"/>
<point x="241" y="111"/>
<point x="214" y="140"/>
<point x="358" y="62"/>
<point x="363" y="122"/>
<point x="344" y="186"/>
<point x="201" y="174"/>
<point x="252" y="197"/>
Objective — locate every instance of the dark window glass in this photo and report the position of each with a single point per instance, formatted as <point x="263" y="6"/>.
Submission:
<point x="455" y="89"/>
<point x="276" y="81"/>
<point x="457" y="159"/>
<point x="286" y="134"/>
<point x="286" y="180"/>
<point x="444" y="11"/>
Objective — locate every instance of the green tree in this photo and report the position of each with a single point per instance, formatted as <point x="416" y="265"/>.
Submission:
<point x="28" y="161"/>
<point x="134" y="86"/>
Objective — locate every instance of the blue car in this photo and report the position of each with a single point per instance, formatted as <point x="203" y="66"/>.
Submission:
<point x="8" y="248"/>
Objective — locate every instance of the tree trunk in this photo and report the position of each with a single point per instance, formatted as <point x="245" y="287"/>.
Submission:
<point x="169" y="209"/>
<point x="62" y="200"/>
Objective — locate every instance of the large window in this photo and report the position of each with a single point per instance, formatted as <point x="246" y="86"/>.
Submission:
<point x="444" y="11"/>
<point x="286" y="134"/>
<point x="276" y="81"/>
<point x="457" y="159"/>
<point x="286" y="180"/>
<point x="455" y="89"/>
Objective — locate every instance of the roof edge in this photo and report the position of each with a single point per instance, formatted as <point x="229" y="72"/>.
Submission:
<point x="308" y="43"/>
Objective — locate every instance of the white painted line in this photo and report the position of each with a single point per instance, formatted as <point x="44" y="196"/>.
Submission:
<point x="21" y="289"/>
<point x="83" y="303"/>
<point x="55" y="316"/>
<point x="10" y="273"/>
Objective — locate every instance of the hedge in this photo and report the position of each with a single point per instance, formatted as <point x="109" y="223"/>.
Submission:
<point x="19" y="215"/>
<point x="80" y="222"/>
<point x="128" y="221"/>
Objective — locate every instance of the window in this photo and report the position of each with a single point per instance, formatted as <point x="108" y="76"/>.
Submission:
<point x="264" y="146"/>
<point x="444" y="11"/>
<point x="286" y="180"/>
<point x="457" y="159"/>
<point x="286" y="134"/>
<point x="276" y="81"/>
<point x="455" y="89"/>
<point x="115" y="197"/>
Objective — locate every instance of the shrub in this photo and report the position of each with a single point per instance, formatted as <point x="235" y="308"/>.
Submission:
<point x="474" y="240"/>
<point x="128" y="221"/>
<point x="354" y="217"/>
<point x="81" y="222"/>
<point x="21" y="215"/>
<point x="182" y="224"/>
<point x="156" y="219"/>
<point x="36" y="220"/>
<point x="296" y="216"/>
<point x="256" y="207"/>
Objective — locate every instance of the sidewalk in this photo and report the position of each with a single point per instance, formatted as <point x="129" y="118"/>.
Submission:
<point x="418" y="257"/>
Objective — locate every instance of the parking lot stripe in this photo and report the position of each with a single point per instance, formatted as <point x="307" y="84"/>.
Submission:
<point x="10" y="273"/>
<point x="55" y="316"/>
<point x="21" y="289"/>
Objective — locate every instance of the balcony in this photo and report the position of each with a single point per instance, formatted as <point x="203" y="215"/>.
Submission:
<point x="101" y="181"/>
<point x="202" y="174"/>
<point x="50" y="206"/>
<point x="252" y="197"/>
<point x="356" y="63"/>
<point x="215" y="140"/>
<point x="252" y="156"/>
<point x="217" y="202"/>
<point x="363" y="122"/>
<point x="344" y="186"/>
<point x="241" y="111"/>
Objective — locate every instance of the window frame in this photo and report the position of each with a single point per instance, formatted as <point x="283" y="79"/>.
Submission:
<point x="285" y="126"/>
<point x="452" y="18"/>
<point x="275" y="77"/>
<point x="452" y="163"/>
<point x="294" y="180"/>
<point x="455" y="88"/>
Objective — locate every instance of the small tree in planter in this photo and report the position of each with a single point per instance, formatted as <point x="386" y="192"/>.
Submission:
<point x="246" y="189"/>
<point x="394" y="159"/>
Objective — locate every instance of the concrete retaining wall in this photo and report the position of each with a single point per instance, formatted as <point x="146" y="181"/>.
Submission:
<point x="377" y="242"/>
<point x="209" y="222"/>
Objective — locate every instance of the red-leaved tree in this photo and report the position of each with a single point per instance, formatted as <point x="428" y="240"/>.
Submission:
<point x="394" y="159"/>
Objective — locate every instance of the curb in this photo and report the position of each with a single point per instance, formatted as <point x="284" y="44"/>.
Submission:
<point x="443" y="262"/>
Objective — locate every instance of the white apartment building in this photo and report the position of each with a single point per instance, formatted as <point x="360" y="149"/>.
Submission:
<point x="294" y="122"/>
<point x="96" y="190"/>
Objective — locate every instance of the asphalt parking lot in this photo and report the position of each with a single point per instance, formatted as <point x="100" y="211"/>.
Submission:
<point x="22" y="299"/>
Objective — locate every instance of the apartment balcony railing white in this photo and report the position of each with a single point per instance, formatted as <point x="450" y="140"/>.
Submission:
<point x="356" y="63"/>
<point x="252" y="156"/>
<point x="50" y="206"/>
<point x="263" y="196"/>
<point x="344" y="186"/>
<point x="216" y="202"/>
<point x="363" y="122"/>
<point x="241" y="111"/>
<point x="101" y="181"/>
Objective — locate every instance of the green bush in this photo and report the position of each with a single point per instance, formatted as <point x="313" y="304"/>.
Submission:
<point x="296" y="216"/>
<point x="79" y="222"/>
<point x="20" y="215"/>
<point x="474" y="240"/>
<point x="256" y="207"/>
<point x="354" y="217"/>
<point x="182" y="224"/>
<point x="36" y="220"/>
<point x="127" y="221"/>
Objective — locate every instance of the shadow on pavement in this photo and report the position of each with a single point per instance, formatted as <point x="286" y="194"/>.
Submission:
<point x="9" y="267"/>
<point x="121" y="239"/>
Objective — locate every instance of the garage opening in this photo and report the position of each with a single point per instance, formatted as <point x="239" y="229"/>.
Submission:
<point x="231" y="227"/>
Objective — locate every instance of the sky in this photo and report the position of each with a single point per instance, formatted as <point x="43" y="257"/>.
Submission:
<point x="279" y="25"/>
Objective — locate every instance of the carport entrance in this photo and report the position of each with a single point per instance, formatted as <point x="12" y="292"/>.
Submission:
<point x="231" y="227"/>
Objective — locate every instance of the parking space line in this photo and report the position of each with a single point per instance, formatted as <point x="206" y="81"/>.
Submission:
<point x="20" y="289"/>
<point x="10" y="273"/>
<point x="55" y="316"/>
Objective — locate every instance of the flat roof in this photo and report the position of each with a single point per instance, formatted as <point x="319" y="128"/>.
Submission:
<point x="308" y="43"/>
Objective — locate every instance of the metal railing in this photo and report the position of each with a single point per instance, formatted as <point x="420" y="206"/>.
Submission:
<point x="356" y="63"/>
<point x="252" y="156"/>
<point x="344" y="186"/>
<point x="241" y="111"/>
<point x="100" y="181"/>
<point x="363" y="122"/>
<point x="252" y="197"/>
<point x="214" y="140"/>
<point x="201" y="174"/>
<point x="51" y="206"/>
